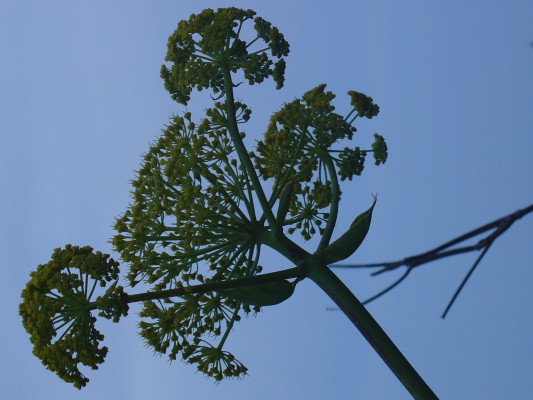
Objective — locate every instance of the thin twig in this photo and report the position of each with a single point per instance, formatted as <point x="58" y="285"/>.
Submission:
<point x="389" y="288"/>
<point x="470" y="271"/>
<point x="498" y="227"/>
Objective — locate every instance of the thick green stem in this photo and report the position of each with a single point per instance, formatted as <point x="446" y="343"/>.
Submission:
<point x="370" y="329"/>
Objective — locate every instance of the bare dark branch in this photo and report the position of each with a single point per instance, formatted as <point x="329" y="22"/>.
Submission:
<point x="493" y="230"/>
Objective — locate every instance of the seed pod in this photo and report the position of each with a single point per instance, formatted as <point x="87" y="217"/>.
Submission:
<point x="349" y="242"/>
<point x="284" y="202"/>
<point x="261" y="294"/>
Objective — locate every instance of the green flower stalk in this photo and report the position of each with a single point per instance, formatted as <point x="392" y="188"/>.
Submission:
<point x="203" y="206"/>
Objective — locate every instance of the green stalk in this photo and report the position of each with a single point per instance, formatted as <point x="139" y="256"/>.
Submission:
<point x="335" y="198"/>
<point x="307" y="266"/>
<point x="295" y="272"/>
<point x="370" y="329"/>
<point x="241" y="149"/>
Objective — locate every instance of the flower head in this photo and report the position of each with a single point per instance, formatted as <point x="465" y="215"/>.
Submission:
<point x="351" y="162"/>
<point x="191" y="221"/>
<point x="185" y="328"/>
<point x="209" y="42"/>
<point x="192" y="207"/>
<point x="299" y="134"/>
<point x="296" y="147"/>
<point x="56" y="310"/>
<point x="363" y="104"/>
<point x="379" y="148"/>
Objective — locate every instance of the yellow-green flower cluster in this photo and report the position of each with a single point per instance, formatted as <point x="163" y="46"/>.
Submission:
<point x="56" y="310"/>
<point x="363" y="104"/>
<point x="295" y="148"/>
<point x="192" y="204"/>
<point x="351" y="162"/>
<point x="187" y="327"/>
<point x="208" y="43"/>
<point x="379" y="148"/>
<point x="192" y="221"/>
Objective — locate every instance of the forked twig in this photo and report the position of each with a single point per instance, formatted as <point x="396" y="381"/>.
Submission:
<point x="494" y="229"/>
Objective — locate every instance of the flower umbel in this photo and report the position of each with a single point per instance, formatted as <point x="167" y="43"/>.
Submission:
<point x="192" y="216"/>
<point x="56" y="310"/>
<point x="298" y="147"/>
<point x="208" y="42"/>
<point x="192" y="221"/>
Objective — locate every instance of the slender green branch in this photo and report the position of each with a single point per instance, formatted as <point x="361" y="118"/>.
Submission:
<point x="241" y="150"/>
<point x="229" y="327"/>
<point x="335" y="198"/>
<point x="211" y="178"/>
<point x="284" y="175"/>
<point x="259" y="51"/>
<point x="353" y="119"/>
<point x="349" y="115"/>
<point x="247" y="201"/>
<point x="252" y="41"/>
<point x="238" y="257"/>
<point x="289" y="273"/>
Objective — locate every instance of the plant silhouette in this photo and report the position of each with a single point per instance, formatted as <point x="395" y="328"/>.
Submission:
<point x="204" y="205"/>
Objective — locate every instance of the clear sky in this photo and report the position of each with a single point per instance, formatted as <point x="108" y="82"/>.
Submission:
<point x="81" y="99"/>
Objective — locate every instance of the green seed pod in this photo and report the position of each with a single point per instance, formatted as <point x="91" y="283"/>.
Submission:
<point x="349" y="242"/>
<point x="261" y="294"/>
<point x="284" y="202"/>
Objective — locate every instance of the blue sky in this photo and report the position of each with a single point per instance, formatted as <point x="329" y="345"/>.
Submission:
<point x="81" y="100"/>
